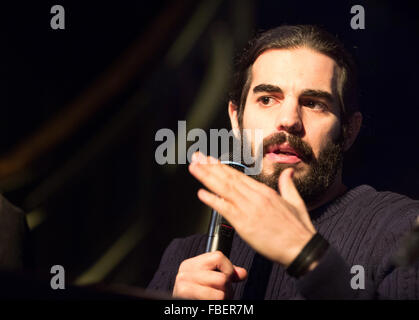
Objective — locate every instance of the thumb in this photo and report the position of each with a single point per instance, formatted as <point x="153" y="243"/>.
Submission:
<point x="288" y="190"/>
<point x="239" y="273"/>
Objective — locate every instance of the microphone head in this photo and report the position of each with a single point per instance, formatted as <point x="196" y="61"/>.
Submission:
<point x="231" y="160"/>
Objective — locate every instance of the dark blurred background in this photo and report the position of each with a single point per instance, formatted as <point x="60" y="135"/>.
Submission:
<point x="80" y="108"/>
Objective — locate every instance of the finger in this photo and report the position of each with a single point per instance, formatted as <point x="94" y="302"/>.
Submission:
<point x="240" y="176"/>
<point x="290" y="193"/>
<point x="224" y="207"/>
<point x="288" y="190"/>
<point x="220" y="181"/>
<point x="239" y="273"/>
<point x="208" y="261"/>
<point x="254" y="185"/>
<point x="225" y="174"/>
<point x="195" y="291"/>
<point x="229" y="183"/>
<point x="207" y="278"/>
<point x="214" y="279"/>
<point x="202" y="159"/>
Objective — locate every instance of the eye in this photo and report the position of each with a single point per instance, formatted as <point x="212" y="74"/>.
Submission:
<point x="316" y="105"/>
<point x="266" y="100"/>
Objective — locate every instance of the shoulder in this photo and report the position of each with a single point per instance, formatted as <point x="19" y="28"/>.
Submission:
<point x="190" y="244"/>
<point x="390" y="216"/>
<point x="392" y="199"/>
<point x="394" y="208"/>
<point x="390" y="206"/>
<point x="180" y="249"/>
<point x="379" y="217"/>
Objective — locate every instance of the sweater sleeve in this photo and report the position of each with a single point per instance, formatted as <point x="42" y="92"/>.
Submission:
<point x="333" y="278"/>
<point x="398" y="282"/>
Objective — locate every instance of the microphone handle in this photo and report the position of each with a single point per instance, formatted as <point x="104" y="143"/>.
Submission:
<point x="221" y="233"/>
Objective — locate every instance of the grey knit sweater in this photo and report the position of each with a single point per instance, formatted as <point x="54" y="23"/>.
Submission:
<point x="364" y="228"/>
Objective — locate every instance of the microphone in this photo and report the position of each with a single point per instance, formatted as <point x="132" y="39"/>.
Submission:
<point x="220" y="231"/>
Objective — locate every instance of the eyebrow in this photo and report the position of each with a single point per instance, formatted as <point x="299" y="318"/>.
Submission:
<point x="318" y="94"/>
<point x="306" y="93"/>
<point x="267" y="88"/>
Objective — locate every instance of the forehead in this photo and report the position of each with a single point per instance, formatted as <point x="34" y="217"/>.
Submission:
<point x="295" y="70"/>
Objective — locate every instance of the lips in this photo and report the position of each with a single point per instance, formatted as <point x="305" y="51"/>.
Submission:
<point x="282" y="154"/>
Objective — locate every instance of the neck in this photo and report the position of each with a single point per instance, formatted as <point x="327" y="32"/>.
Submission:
<point x="334" y="191"/>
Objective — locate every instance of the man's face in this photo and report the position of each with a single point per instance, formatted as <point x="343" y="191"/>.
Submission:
<point x="292" y="97"/>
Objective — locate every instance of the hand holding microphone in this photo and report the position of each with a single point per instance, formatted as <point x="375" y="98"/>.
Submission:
<point x="209" y="276"/>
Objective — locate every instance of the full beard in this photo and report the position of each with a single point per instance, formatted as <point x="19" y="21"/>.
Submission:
<point x="321" y="172"/>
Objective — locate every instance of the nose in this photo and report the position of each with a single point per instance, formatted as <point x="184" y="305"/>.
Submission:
<point x="289" y="117"/>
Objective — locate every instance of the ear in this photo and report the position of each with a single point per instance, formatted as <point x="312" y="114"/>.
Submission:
<point x="352" y="130"/>
<point x="233" y="112"/>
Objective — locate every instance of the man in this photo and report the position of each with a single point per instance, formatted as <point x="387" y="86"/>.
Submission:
<point x="300" y="233"/>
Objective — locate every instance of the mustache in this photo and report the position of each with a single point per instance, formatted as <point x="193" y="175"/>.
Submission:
<point x="303" y="149"/>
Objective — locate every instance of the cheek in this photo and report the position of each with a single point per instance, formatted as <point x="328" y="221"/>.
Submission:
<point x="319" y="135"/>
<point x="249" y="118"/>
<point x="253" y="118"/>
<point x="256" y="125"/>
